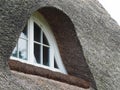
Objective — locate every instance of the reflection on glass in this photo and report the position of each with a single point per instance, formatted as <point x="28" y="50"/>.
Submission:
<point x="24" y="33"/>
<point x="37" y="33"/>
<point x="37" y="54"/>
<point x="22" y="47"/>
<point x="20" y="51"/>
<point x="45" y="41"/>
<point x="14" y="53"/>
<point x="55" y="64"/>
<point x="46" y="56"/>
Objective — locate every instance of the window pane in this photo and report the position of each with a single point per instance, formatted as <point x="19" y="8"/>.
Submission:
<point x="45" y="41"/>
<point x="37" y="33"/>
<point x="24" y="33"/>
<point x="46" y="56"/>
<point x="15" y="51"/>
<point x="55" y="64"/>
<point x="22" y="47"/>
<point x="37" y="52"/>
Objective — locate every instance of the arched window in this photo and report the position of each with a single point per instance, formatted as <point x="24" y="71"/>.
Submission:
<point x="37" y="45"/>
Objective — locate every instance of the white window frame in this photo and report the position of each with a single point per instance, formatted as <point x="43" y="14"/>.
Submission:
<point x="54" y="51"/>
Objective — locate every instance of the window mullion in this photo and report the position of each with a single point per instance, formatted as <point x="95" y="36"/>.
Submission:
<point x="51" y="57"/>
<point x="41" y="47"/>
<point x="30" y="41"/>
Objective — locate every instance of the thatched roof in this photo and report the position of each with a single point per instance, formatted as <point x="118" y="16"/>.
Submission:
<point x="82" y="25"/>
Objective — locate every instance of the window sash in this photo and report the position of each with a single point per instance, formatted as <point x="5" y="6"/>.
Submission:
<point x="52" y="47"/>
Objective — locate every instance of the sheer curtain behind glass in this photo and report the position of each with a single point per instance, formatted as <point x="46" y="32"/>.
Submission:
<point x="20" y="51"/>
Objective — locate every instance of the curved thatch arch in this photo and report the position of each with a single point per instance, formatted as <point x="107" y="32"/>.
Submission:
<point x="69" y="46"/>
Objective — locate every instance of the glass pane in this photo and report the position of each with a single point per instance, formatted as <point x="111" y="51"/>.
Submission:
<point x="45" y="41"/>
<point x="22" y="47"/>
<point x="24" y="33"/>
<point x="37" y="54"/>
<point x="46" y="56"/>
<point x="37" y="33"/>
<point x="55" y="64"/>
<point x="15" y="51"/>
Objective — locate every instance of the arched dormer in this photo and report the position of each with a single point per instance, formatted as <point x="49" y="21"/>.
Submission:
<point x="71" y="67"/>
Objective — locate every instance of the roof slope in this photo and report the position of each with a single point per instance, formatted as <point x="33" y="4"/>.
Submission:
<point x="98" y="33"/>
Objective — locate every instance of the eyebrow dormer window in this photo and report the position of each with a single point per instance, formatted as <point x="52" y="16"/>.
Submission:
<point x="37" y="45"/>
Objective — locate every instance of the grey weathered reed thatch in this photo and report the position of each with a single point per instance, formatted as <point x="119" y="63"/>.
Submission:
<point x="97" y="32"/>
